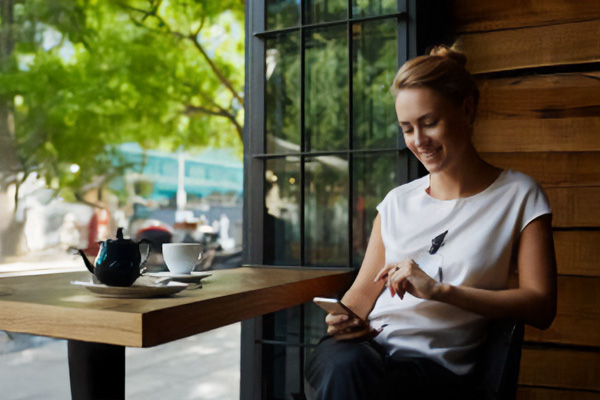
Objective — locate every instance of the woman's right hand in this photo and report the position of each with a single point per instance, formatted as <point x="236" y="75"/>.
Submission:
<point x="345" y="327"/>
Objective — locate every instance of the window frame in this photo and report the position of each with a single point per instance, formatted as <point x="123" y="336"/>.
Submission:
<point x="415" y="16"/>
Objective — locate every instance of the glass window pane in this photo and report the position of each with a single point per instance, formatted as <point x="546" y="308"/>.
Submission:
<point x="326" y="211"/>
<point x="326" y="89"/>
<point x="282" y="212"/>
<point x="374" y="175"/>
<point x="316" y="11"/>
<point x="314" y="324"/>
<point x="283" y="325"/>
<point x="282" y="14"/>
<point x="369" y="8"/>
<point x="282" y="93"/>
<point x="374" y="65"/>
<point x="283" y="364"/>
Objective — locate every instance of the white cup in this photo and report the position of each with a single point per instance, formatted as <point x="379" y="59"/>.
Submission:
<point x="181" y="258"/>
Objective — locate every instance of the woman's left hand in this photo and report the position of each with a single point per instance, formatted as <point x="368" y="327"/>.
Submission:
<point x="406" y="276"/>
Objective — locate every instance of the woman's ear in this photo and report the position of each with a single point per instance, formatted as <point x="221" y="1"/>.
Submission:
<point x="469" y="110"/>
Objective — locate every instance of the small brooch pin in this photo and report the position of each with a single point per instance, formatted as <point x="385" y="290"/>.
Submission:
<point x="437" y="242"/>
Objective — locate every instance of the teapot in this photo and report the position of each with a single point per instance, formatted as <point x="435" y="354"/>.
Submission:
<point x="119" y="262"/>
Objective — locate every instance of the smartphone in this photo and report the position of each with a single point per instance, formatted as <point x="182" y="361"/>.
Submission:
<point x="334" y="306"/>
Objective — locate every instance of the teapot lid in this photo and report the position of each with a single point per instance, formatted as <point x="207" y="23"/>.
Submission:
<point x="120" y="238"/>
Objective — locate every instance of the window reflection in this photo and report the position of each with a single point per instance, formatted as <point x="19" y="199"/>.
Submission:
<point x="282" y="93"/>
<point x="282" y="211"/>
<point x="282" y="14"/>
<point x="324" y="10"/>
<point x="374" y="175"/>
<point x="371" y="8"/>
<point x="326" y="90"/>
<point x="326" y="211"/>
<point x="374" y="65"/>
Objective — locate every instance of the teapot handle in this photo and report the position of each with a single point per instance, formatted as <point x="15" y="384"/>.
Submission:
<point x="144" y="256"/>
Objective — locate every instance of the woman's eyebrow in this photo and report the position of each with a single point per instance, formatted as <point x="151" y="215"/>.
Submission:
<point x="422" y="117"/>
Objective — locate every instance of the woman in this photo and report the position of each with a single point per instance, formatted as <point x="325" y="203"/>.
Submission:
<point x="440" y="255"/>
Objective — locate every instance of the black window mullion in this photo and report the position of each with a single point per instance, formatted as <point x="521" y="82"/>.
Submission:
<point x="302" y="183"/>
<point x="350" y="27"/>
<point x="329" y="152"/>
<point x="303" y="140"/>
<point x="402" y="33"/>
<point x="399" y="15"/>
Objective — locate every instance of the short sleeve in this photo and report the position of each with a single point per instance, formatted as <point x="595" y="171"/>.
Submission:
<point x="535" y="204"/>
<point x="382" y="207"/>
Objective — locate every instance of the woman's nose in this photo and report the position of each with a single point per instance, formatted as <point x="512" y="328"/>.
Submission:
<point x="419" y="137"/>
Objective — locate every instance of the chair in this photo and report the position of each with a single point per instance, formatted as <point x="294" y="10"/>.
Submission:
<point x="500" y="360"/>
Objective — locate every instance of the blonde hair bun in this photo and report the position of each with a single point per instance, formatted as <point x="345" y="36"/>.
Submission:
<point x="451" y="53"/>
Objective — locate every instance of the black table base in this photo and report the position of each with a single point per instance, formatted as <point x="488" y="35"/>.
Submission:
<point x="97" y="371"/>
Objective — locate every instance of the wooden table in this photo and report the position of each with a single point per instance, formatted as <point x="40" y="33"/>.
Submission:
<point x="98" y="329"/>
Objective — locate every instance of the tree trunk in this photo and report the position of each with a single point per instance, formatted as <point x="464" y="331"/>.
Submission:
<point x="11" y="237"/>
<point x="9" y="163"/>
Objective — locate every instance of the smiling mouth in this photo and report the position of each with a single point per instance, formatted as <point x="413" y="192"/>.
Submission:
<point x="430" y="153"/>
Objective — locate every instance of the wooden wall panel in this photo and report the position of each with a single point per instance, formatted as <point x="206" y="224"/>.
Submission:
<point x="560" y="44"/>
<point x="578" y="306"/>
<point x="531" y="393"/>
<point x="477" y="15"/>
<point x="558" y="113"/>
<point x="547" y="126"/>
<point x="578" y="253"/>
<point x="575" y="207"/>
<point x="552" y="169"/>
<point x="560" y="368"/>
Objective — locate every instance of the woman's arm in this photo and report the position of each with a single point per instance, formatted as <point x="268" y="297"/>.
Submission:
<point x="363" y="293"/>
<point x="533" y="302"/>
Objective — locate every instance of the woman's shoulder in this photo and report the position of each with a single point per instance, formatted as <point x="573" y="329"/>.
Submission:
<point x="520" y="179"/>
<point x="406" y="189"/>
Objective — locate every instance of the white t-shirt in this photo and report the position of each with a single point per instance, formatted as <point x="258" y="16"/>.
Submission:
<point x="479" y="250"/>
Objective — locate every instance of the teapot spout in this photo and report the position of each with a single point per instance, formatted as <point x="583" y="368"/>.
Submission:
<point x="87" y="262"/>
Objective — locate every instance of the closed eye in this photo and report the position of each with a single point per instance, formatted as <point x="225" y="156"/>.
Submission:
<point x="406" y="128"/>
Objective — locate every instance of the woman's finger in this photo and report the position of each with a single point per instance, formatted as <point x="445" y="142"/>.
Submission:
<point x="334" y="319"/>
<point x="397" y="282"/>
<point x="345" y="326"/>
<point x="385" y="272"/>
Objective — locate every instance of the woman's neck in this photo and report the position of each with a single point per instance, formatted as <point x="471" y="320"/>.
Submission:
<point x="469" y="177"/>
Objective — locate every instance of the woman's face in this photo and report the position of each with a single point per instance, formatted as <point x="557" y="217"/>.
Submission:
<point x="435" y="129"/>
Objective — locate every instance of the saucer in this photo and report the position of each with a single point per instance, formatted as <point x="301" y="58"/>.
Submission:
<point x="193" y="277"/>
<point x="132" y="292"/>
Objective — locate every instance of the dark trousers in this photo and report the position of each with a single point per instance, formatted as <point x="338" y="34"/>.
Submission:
<point x="362" y="371"/>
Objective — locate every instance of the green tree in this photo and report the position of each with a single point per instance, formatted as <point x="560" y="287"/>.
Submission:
<point x="85" y="76"/>
<point x="80" y="77"/>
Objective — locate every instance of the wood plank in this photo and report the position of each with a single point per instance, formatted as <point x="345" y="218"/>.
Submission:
<point x="575" y="206"/>
<point x="552" y="169"/>
<point x="578" y="252"/>
<point x="577" y="317"/>
<point x="162" y="326"/>
<point x="558" y="113"/>
<point x="570" y="43"/>
<point x="560" y="368"/>
<point x="533" y="393"/>
<point x="49" y="305"/>
<point x="477" y="15"/>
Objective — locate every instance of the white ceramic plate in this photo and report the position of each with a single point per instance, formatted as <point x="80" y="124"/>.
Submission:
<point x="132" y="292"/>
<point x="194" y="277"/>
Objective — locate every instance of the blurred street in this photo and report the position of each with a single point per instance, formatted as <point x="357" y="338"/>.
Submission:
<point x="40" y="262"/>
<point x="205" y="366"/>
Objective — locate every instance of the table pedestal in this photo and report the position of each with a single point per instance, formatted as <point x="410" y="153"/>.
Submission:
<point x="97" y="371"/>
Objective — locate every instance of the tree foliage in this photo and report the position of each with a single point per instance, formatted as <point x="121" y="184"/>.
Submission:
<point x="86" y="75"/>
